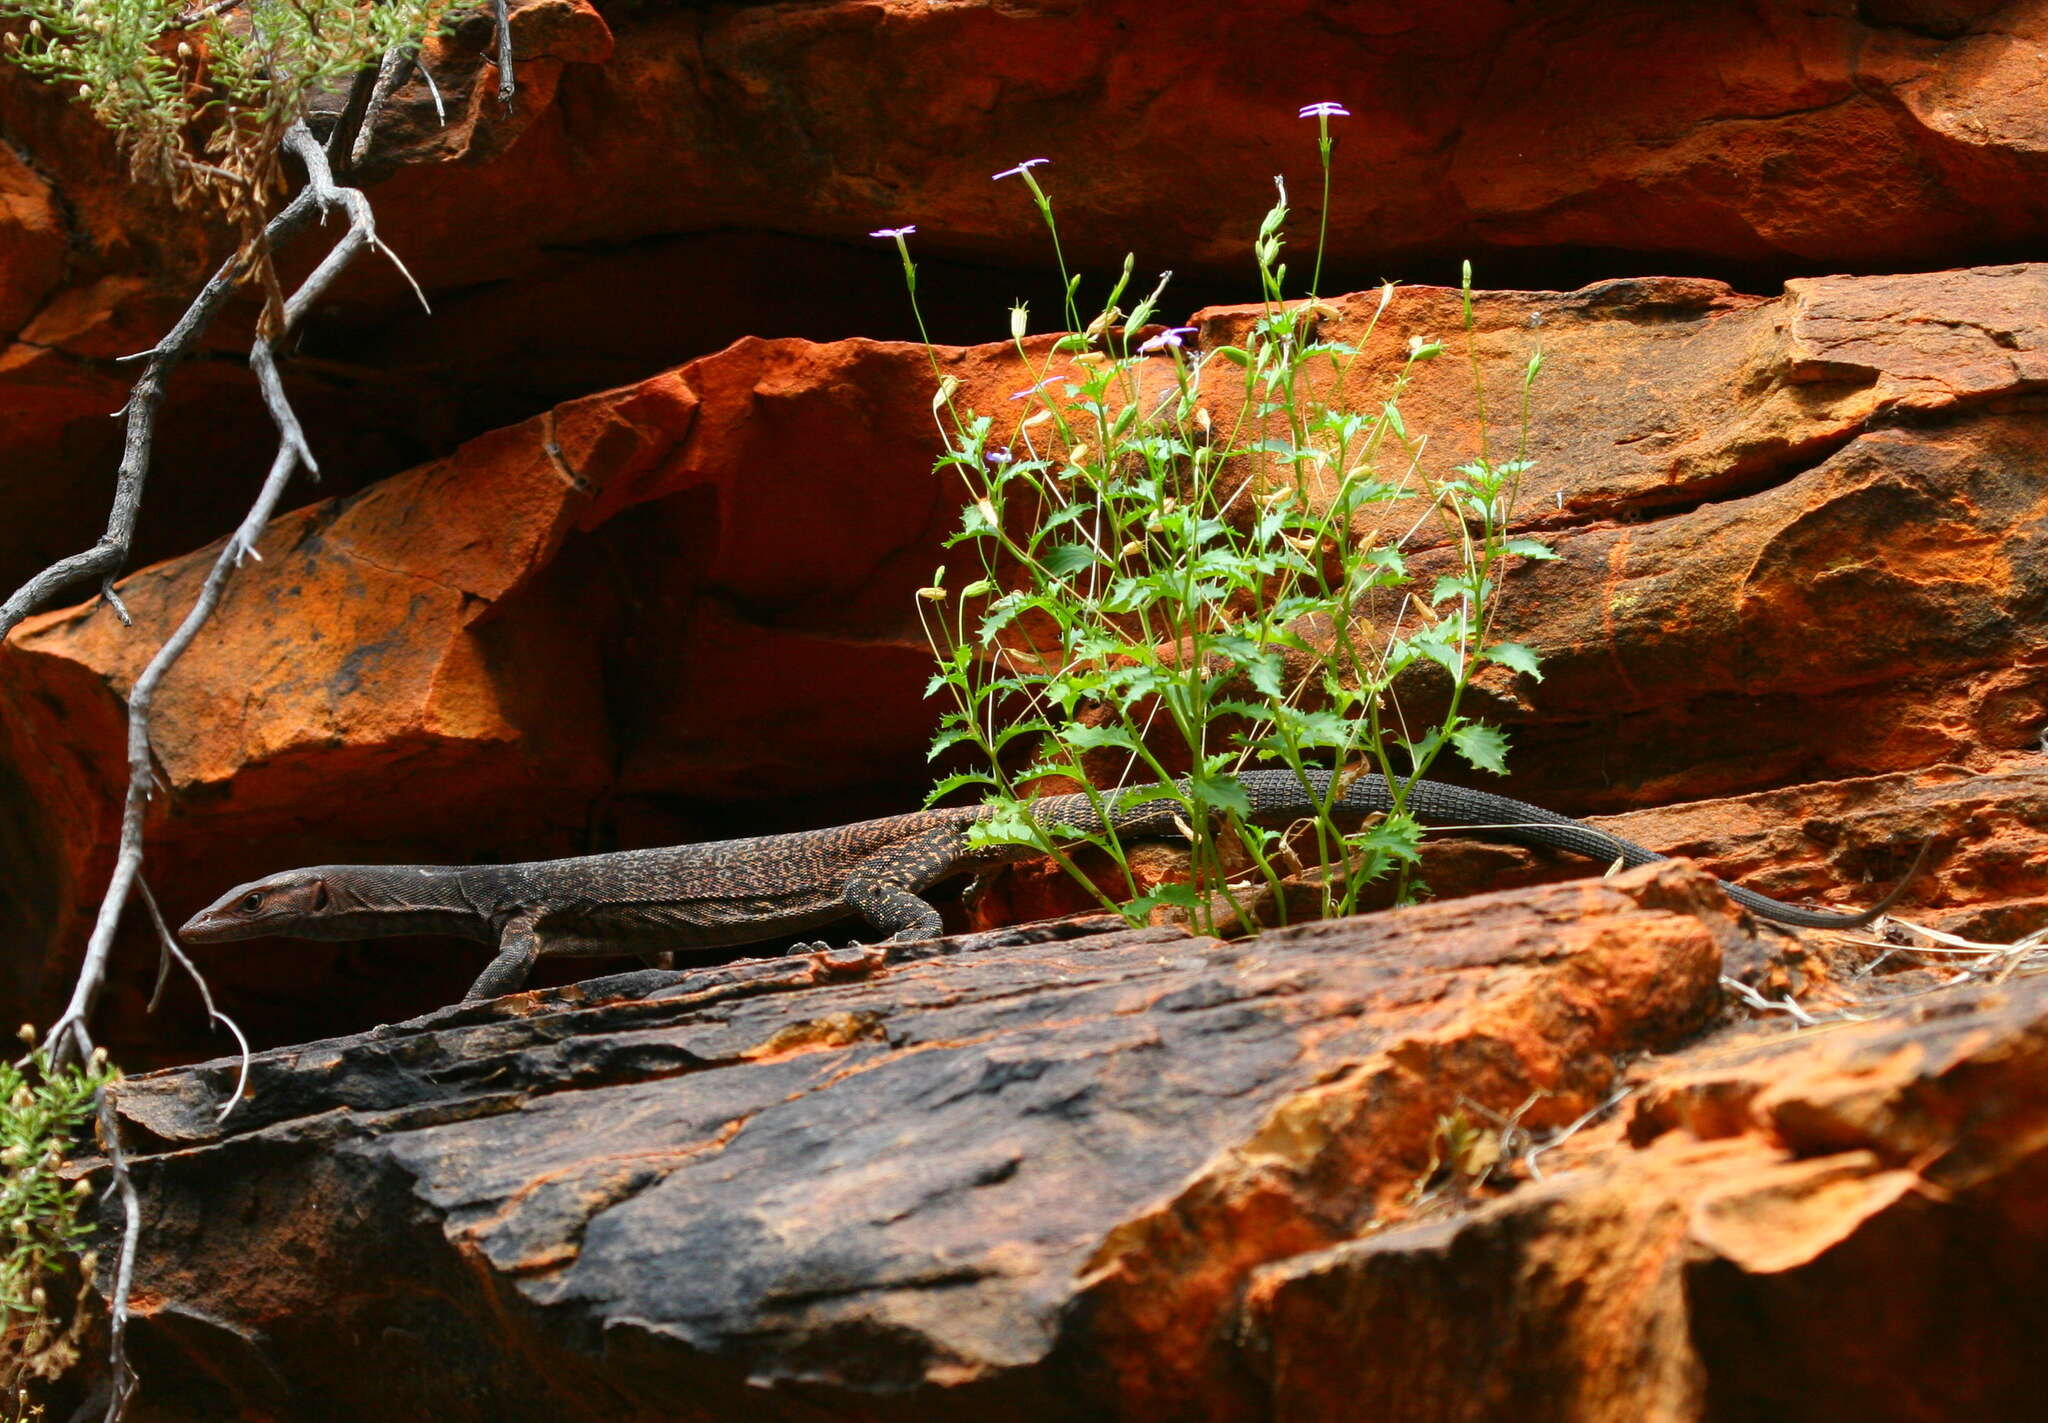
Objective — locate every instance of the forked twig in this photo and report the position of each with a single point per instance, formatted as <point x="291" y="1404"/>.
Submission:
<point x="68" y="1035"/>
<point x="121" y="1380"/>
<point x="171" y="950"/>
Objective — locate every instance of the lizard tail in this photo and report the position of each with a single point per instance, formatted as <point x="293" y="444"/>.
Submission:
<point x="1276" y="795"/>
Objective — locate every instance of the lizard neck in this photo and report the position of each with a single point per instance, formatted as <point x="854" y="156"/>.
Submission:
<point x="384" y="901"/>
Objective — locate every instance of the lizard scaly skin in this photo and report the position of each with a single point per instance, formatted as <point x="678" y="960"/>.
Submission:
<point x="732" y="892"/>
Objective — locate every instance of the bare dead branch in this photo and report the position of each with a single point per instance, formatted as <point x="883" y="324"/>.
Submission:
<point x="505" y="82"/>
<point x="121" y="1375"/>
<point x="344" y="137"/>
<point x="171" y="949"/>
<point x="440" y="109"/>
<point x="105" y="559"/>
<point x="397" y="60"/>
<point x="69" y="1036"/>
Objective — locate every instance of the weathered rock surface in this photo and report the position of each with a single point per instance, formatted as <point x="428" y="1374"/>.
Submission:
<point x="675" y="176"/>
<point x="1839" y="1223"/>
<point x="1029" y="1172"/>
<point x="1522" y="1155"/>
<point x="1071" y="1172"/>
<point x="1799" y="541"/>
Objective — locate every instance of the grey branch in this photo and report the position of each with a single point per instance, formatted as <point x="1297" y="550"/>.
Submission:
<point x="69" y="1037"/>
<point x="397" y="60"/>
<point x="505" y="82"/>
<point x="121" y="1382"/>
<point x="170" y="949"/>
<point x="105" y="559"/>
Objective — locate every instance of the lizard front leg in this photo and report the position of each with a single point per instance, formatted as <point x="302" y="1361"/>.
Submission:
<point x="907" y="918"/>
<point x="518" y="947"/>
<point x="880" y="887"/>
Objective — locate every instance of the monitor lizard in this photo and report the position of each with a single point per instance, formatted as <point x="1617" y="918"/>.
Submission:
<point x="732" y="892"/>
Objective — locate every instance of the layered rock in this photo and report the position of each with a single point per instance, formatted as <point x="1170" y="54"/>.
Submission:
<point x="1502" y="1157"/>
<point x="678" y="175"/>
<point x="585" y="631"/>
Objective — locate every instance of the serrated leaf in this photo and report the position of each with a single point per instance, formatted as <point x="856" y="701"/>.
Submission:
<point x="1083" y="737"/>
<point x="1068" y="558"/>
<point x="953" y="783"/>
<point x="1517" y="656"/>
<point x="1486" y="747"/>
<point x="1450" y="585"/>
<point x="1529" y="548"/>
<point x="951" y="736"/>
<point x="1221" y="792"/>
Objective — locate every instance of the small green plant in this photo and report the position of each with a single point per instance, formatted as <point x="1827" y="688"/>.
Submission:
<point x="199" y="95"/>
<point x="1192" y="561"/>
<point x="43" y="1109"/>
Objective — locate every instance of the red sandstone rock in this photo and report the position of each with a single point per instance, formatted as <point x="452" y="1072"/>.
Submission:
<point x="1063" y="1173"/>
<point x="1008" y="1174"/>
<point x="1637" y="136"/>
<point x="705" y="595"/>
<point x="1843" y="1223"/>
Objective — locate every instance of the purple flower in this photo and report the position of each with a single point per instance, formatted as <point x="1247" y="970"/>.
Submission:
<point x="1030" y="390"/>
<point x="893" y="231"/>
<point x="1169" y="339"/>
<point x="998" y="457"/>
<point x="1325" y="110"/>
<point x="1018" y="170"/>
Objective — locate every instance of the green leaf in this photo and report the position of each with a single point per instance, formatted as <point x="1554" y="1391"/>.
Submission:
<point x="1177" y="893"/>
<point x="1518" y="656"/>
<point x="1222" y="793"/>
<point x="1265" y="672"/>
<point x="952" y="736"/>
<point x="1083" y="737"/>
<point x="1449" y="586"/>
<point x="1394" y="837"/>
<point x="1484" y="746"/>
<point x="953" y="783"/>
<point x="1528" y="548"/>
<point x="1068" y="558"/>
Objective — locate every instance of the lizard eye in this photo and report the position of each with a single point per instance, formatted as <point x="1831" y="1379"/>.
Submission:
<point x="251" y="902"/>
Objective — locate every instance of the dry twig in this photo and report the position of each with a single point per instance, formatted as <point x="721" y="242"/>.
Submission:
<point x="121" y="1375"/>
<point x="68" y="1036"/>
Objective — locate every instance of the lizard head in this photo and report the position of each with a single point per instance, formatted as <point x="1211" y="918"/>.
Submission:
<point x="279" y="904"/>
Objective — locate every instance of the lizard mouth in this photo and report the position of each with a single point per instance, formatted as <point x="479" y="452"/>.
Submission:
<point x="208" y="927"/>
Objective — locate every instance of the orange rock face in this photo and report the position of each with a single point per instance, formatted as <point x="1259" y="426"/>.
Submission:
<point x="1513" y="1155"/>
<point x="591" y="627"/>
<point x="721" y="164"/>
<point x="621" y="546"/>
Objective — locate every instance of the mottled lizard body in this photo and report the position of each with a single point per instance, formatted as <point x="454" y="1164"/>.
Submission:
<point x="732" y="892"/>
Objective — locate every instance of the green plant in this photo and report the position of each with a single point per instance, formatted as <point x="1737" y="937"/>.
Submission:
<point x="200" y="94"/>
<point x="1174" y="585"/>
<point x="43" y="1108"/>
